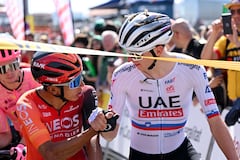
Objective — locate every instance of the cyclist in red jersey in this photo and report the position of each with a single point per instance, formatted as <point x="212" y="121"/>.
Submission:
<point x="158" y="94"/>
<point x="53" y="118"/>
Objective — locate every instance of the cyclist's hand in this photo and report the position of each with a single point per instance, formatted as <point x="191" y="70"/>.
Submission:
<point x="97" y="119"/>
<point x="111" y="120"/>
<point x="19" y="152"/>
<point x="103" y="120"/>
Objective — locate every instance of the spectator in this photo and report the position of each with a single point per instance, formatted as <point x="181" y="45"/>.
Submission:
<point x="99" y="26"/>
<point x="227" y="48"/>
<point x="110" y="44"/>
<point x="95" y="44"/>
<point x="110" y="26"/>
<point x="109" y="41"/>
<point x="27" y="55"/>
<point x="43" y="38"/>
<point x="82" y="41"/>
<point x="183" y="38"/>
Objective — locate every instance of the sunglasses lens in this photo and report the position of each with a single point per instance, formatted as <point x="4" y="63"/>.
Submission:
<point x="75" y="82"/>
<point x="3" y="69"/>
<point x="12" y="67"/>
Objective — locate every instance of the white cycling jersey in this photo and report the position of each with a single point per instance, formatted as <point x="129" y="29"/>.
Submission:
<point x="159" y="108"/>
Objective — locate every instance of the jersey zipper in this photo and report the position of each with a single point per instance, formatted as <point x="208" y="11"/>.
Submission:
<point x="161" y="134"/>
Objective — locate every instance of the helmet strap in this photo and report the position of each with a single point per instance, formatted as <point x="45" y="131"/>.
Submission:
<point x="154" y="62"/>
<point x="61" y="96"/>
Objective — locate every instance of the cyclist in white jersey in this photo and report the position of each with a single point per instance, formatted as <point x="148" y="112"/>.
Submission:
<point x="158" y="94"/>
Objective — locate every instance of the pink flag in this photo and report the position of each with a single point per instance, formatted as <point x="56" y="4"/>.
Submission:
<point x="14" y="10"/>
<point x="65" y="20"/>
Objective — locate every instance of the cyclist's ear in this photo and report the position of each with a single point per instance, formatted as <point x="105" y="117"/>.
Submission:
<point x="158" y="49"/>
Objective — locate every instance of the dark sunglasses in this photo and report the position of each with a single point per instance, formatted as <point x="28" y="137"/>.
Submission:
<point x="235" y="11"/>
<point x="12" y="67"/>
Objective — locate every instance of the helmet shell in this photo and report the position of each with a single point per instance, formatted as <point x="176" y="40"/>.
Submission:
<point x="55" y="68"/>
<point x="8" y="55"/>
<point x="142" y="31"/>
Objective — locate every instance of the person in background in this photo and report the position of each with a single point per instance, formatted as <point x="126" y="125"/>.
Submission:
<point x="83" y="41"/>
<point x="94" y="65"/>
<point x="53" y="118"/>
<point x="227" y="48"/>
<point x="158" y="94"/>
<point x="96" y="43"/>
<point x="109" y="41"/>
<point x="107" y="64"/>
<point x="183" y="38"/>
<point x="171" y="46"/>
<point x="99" y="26"/>
<point x="44" y="38"/>
<point x="110" y="26"/>
<point x="27" y="55"/>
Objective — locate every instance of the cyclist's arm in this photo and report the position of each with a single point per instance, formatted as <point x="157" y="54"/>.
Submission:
<point x="209" y="106"/>
<point x="5" y="132"/>
<point x="66" y="148"/>
<point x="93" y="148"/>
<point x="224" y="140"/>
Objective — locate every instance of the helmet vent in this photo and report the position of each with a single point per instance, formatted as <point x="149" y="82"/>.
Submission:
<point x="60" y="66"/>
<point x="3" y="53"/>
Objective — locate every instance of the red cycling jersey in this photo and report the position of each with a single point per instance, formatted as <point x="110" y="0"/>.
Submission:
<point x="40" y="122"/>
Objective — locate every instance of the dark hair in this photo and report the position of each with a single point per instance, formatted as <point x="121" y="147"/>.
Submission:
<point x="82" y="38"/>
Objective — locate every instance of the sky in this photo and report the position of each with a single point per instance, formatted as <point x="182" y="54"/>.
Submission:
<point x="43" y="6"/>
<point x="47" y="6"/>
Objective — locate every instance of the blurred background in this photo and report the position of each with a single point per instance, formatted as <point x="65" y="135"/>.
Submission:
<point x="41" y="16"/>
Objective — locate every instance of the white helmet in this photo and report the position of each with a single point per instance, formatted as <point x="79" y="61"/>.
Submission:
<point x="142" y="31"/>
